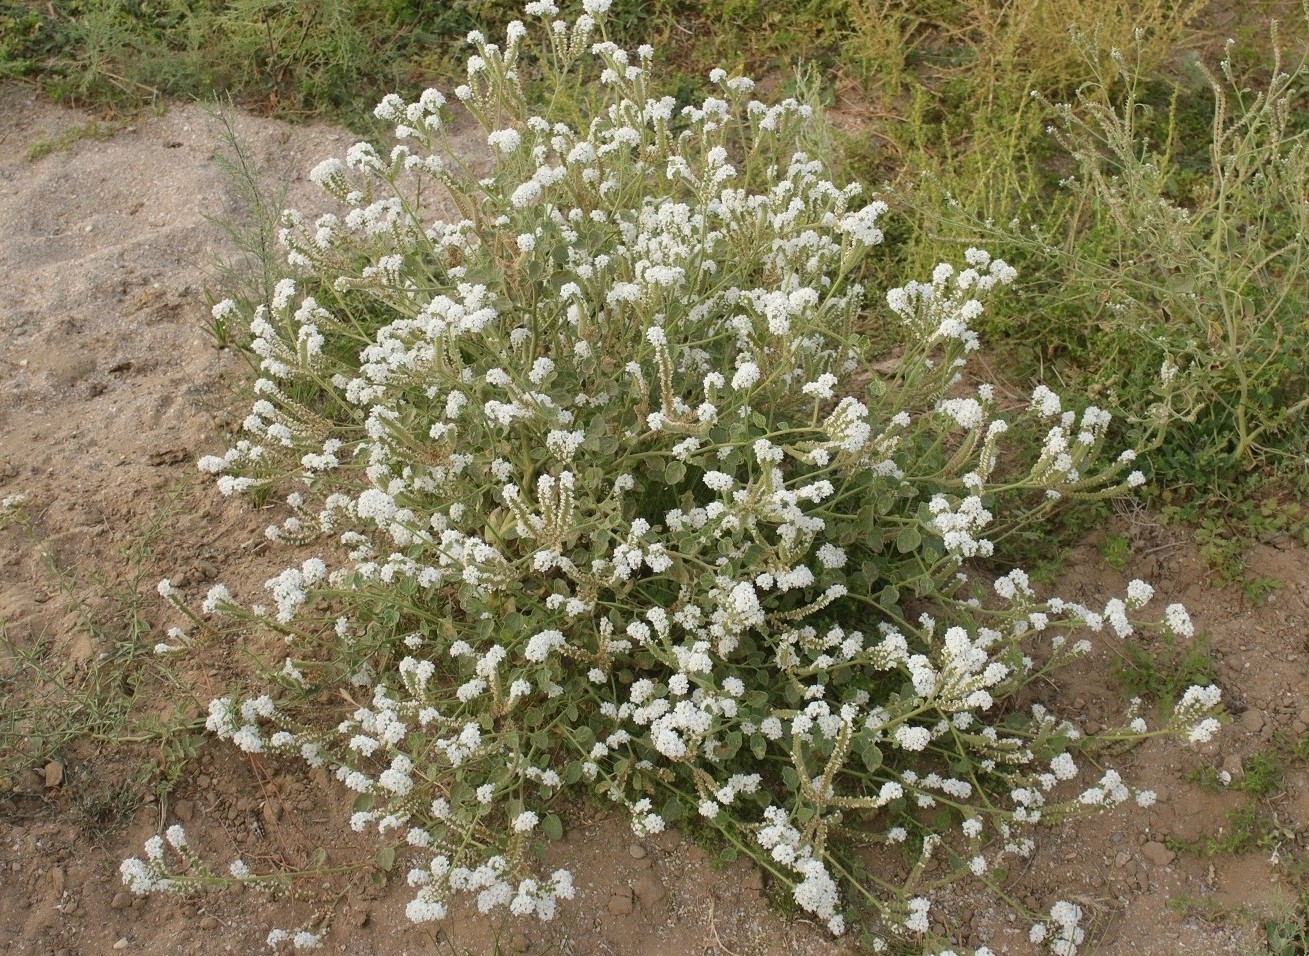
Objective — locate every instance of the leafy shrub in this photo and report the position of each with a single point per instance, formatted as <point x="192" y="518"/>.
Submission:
<point x="629" y="517"/>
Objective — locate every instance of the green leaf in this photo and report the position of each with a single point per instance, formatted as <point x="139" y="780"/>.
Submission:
<point x="674" y="472"/>
<point x="730" y="746"/>
<point x="758" y="746"/>
<point x="871" y="756"/>
<point x="553" y="827"/>
<point x="672" y="810"/>
<point x="384" y="858"/>
<point x="318" y="859"/>
<point x="363" y="802"/>
<point x="908" y="540"/>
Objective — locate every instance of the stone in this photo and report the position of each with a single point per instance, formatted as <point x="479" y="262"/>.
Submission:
<point x="519" y="943"/>
<point x="208" y="922"/>
<point x="620" y="904"/>
<point x="54" y="774"/>
<point x="122" y="943"/>
<point x="121" y="901"/>
<point x="649" y="890"/>
<point x="184" y="810"/>
<point x="271" y="811"/>
<point x="1252" y="720"/>
<point x="1157" y="853"/>
<point x="1232" y="765"/>
<point x="754" y="879"/>
<point x="636" y="851"/>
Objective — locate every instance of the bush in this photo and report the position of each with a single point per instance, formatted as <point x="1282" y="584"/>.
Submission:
<point x="629" y="516"/>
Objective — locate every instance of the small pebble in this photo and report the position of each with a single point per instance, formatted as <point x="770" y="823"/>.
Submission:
<point x="121" y="944"/>
<point x="209" y="922"/>
<point x="54" y="774"/>
<point x="637" y="851"/>
<point x="121" y="901"/>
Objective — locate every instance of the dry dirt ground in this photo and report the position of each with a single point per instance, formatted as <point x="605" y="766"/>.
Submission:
<point x="112" y="388"/>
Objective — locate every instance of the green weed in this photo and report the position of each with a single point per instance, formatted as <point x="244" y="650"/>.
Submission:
<point x="1287" y="931"/>
<point x="1157" y="254"/>
<point x="70" y="137"/>
<point x="52" y="708"/>
<point x="1116" y="550"/>
<point x="1162" y="672"/>
<point x="249" y="276"/>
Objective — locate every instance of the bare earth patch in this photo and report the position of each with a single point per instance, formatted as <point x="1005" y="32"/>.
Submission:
<point x="112" y="388"/>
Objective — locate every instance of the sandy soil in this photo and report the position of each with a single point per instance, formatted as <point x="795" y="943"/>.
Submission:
<point x="111" y="390"/>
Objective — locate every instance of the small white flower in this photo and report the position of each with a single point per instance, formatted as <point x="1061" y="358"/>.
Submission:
<point x="831" y="557"/>
<point x="525" y="821"/>
<point x="747" y="375"/>
<point x="718" y="481"/>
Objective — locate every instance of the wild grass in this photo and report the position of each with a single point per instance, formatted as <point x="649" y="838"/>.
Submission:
<point x="122" y="704"/>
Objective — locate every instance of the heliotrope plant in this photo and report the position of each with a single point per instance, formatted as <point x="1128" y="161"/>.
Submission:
<point x="612" y="506"/>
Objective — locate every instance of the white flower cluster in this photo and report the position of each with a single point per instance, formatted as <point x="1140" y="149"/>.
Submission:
<point x="1068" y="934"/>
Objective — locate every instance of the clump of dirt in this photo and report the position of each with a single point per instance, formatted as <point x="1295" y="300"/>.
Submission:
<point x="112" y="388"/>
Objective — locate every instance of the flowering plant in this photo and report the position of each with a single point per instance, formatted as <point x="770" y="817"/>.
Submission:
<point x="628" y="517"/>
